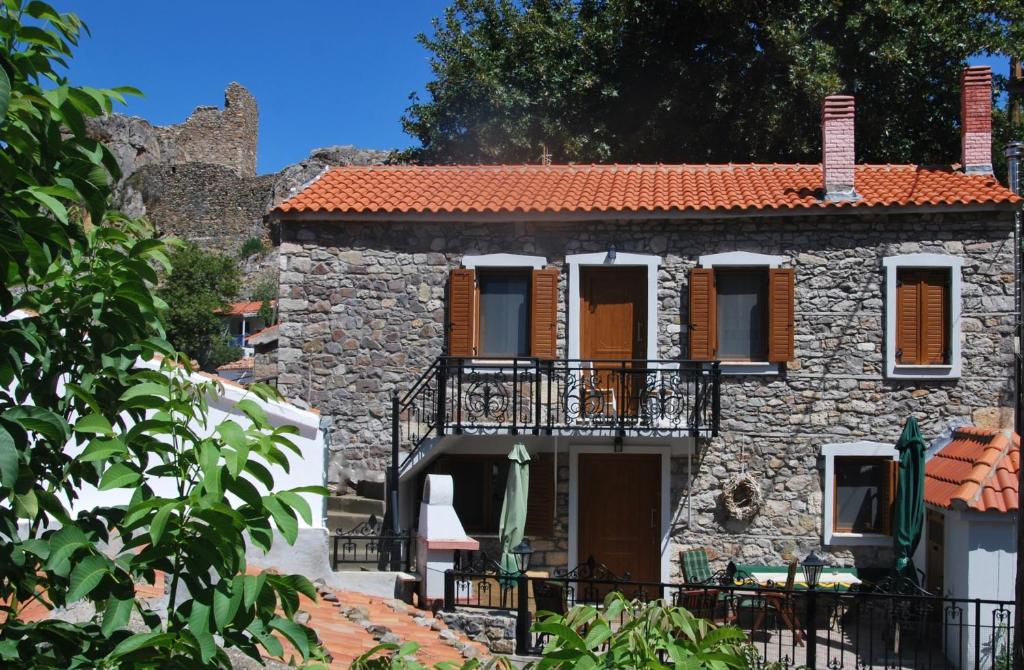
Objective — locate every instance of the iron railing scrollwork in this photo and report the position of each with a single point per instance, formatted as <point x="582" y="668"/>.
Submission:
<point x="886" y="626"/>
<point x="372" y="543"/>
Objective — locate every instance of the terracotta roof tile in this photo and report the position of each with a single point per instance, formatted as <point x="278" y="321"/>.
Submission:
<point x="628" y="188"/>
<point x="264" y="336"/>
<point x="241" y="364"/>
<point x="976" y="470"/>
<point x="243" y="307"/>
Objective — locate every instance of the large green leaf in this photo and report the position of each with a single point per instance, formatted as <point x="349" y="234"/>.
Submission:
<point x="63" y="544"/>
<point x="284" y="518"/>
<point x="45" y="422"/>
<point x="86" y="576"/>
<point x="295" y="633"/>
<point x="116" y="614"/>
<point x="8" y="459"/>
<point x="118" y="476"/>
<point x="94" y="423"/>
<point x="139" y="641"/>
<point x="5" y="94"/>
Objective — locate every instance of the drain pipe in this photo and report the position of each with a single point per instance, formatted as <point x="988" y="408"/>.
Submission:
<point x="1014" y="156"/>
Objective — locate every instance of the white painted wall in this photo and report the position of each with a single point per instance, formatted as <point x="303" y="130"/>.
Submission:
<point x="980" y="563"/>
<point x="307" y="469"/>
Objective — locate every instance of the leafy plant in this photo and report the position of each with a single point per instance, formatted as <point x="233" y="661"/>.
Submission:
<point x="632" y="634"/>
<point x="78" y="312"/>
<point x="266" y="293"/>
<point x="200" y="284"/>
<point x="253" y="245"/>
<point x="389" y="656"/>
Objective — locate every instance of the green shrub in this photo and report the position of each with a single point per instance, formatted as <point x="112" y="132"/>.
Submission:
<point x="650" y="635"/>
<point x="253" y="245"/>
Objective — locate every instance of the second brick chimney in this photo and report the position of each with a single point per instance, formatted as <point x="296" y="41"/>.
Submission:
<point x="837" y="149"/>
<point x="976" y="119"/>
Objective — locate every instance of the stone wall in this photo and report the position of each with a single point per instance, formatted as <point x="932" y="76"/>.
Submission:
<point x="495" y="629"/>
<point x="362" y="311"/>
<point x="210" y="135"/>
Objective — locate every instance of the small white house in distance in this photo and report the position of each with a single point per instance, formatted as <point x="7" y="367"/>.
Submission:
<point x="972" y="505"/>
<point x="309" y="555"/>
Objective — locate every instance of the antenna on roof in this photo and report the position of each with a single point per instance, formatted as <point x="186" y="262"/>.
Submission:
<point x="545" y="156"/>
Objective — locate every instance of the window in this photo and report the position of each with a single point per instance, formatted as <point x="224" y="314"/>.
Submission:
<point x="502" y="312"/>
<point x="742" y="311"/>
<point x="922" y="313"/>
<point x="922" y="316"/>
<point x="479" y="488"/>
<point x="742" y="314"/>
<point x="859" y="491"/>
<point x="862" y="496"/>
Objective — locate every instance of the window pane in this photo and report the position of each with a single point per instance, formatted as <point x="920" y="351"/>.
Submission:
<point x="504" y="300"/>
<point x="860" y="495"/>
<point x="742" y="301"/>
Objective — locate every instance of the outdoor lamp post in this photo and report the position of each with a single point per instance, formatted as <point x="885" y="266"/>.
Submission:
<point x="522" y="551"/>
<point x="812" y="567"/>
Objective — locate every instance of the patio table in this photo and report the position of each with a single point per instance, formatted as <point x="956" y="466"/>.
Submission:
<point x="839" y="579"/>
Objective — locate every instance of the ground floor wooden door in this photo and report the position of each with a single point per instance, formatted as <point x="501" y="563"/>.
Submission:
<point x="620" y="513"/>
<point x="613" y="326"/>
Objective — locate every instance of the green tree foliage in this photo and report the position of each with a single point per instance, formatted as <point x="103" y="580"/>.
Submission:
<point x="633" y="634"/>
<point x="200" y="284"/>
<point x="266" y="293"/>
<point x="700" y="81"/>
<point x="78" y="311"/>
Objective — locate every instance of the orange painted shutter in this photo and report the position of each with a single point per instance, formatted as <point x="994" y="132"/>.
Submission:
<point x="908" y="320"/>
<point x="888" y="501"/>
<point x="462" y="313"/>
<point x="934" y="318"/>
<point x="544" y="307"/>
<point x="781" y="314"/>
<point x="703" y="309"/>
<point x="540" y="505"/>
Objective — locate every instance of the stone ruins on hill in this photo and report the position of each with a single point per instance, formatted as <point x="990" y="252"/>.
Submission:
<point x="197" y="180"/>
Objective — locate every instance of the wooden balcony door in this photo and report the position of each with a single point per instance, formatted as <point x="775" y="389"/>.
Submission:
<point x="613" y="326"/>
<point x="620" y="513"/>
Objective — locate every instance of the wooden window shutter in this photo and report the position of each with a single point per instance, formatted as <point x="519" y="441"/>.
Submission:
<point x="462" y="313"/>
<point x="544" y="317"/>
<point x="934" y="295"/>
<point x="781" y="314"/>
<point x="888" y="501"/>
<point x="703" y="310"/>
<point x="540" y="506"/>
<point x="908" y="319"/>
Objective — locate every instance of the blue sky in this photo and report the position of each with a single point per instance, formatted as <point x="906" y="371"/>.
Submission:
<point x="323" y="71"/>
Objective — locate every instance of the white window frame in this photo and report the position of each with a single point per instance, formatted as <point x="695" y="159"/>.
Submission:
<point x="862" y="449"/>
<point x="499" y="261"/>
<point x="575" y="261"/>
<point x="892" y="265"/>
<point x="744" y="259"/>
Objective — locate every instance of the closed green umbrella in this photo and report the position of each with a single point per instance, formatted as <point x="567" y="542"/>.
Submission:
<point x="513" y="509"/>
<point x="908" y="517"/>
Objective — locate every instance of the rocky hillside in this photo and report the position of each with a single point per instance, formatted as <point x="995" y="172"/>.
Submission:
<point x="197" y="180"/>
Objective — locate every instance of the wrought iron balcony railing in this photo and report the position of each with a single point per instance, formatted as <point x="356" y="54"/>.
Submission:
<point x="576" y="396"/>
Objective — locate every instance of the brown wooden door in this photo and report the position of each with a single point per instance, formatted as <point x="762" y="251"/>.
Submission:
<point x="613" y="326"/>
<point x="620" y="513"/>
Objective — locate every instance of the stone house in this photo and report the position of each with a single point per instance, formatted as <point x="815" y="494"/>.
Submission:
<point x="675" y="344"/>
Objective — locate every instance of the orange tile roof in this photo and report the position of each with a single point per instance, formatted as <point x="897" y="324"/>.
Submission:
<point x="977" y="470"/>
<point x="243" y="307"/>
<point x="241" y="364"/>
<point x="264" y="336"/>
<point x="628" y="188"/>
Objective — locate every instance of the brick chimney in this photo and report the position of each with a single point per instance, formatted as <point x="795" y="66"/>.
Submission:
<point x="976" y="119"/>
<point x="837" y="147"/>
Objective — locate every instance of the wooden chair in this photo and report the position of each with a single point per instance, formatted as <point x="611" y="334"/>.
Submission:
<point x="780" y="603"/>
<point x="702" y="603"/>
<point x="696" y="567"/>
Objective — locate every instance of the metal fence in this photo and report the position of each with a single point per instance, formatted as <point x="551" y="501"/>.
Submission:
<point x="371" y="544"/>
<point x="819" y="628"/>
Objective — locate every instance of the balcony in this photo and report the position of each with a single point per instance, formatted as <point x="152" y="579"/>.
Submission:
<point x="560" y="397"/>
